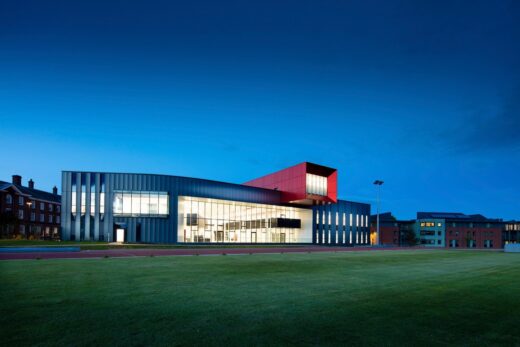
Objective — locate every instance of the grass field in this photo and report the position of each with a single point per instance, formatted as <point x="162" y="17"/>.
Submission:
<point x="360" y="298"/>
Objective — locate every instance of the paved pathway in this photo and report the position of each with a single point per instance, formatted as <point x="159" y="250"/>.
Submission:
<point x="177" y="252"/>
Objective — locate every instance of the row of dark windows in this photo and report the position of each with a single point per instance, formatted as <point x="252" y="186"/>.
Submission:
<point x="32" y="203"/>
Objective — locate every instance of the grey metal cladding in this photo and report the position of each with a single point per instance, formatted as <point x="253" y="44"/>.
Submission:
<point x="153" y="230"/>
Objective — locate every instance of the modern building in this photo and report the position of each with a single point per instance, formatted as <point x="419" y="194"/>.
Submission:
<point x="511" y="233"/>
<point x="430" y="229"/>
<point x="295" y="205"/>
<point x="29" y="212"/>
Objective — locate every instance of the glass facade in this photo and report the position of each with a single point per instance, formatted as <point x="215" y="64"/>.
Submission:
<point x="316" y="184"/>
<point x="212" y="220"/>
<point x="140" y="204"/>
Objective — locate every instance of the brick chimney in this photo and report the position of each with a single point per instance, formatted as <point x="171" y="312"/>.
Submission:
<point x="55" y="190"/>
<point x="17" y="179"/>
<point x="31" y="184"/>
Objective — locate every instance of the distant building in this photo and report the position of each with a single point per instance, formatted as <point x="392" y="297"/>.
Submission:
<point x="511" y="233"/>
<point x="458" y="230"/>
<point x="393" y="232"/>
<point x="445" y="230"/>
<point x="430" y="229"/>
<point x="27" y="211"/>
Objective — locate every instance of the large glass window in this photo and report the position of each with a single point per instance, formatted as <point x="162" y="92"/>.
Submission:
<point x="73" y="196"/>
<point x="212" y="220"/>
<point x="316" y="184"/>
<point x="102" y="195"/>
<point x="140" y="204"/>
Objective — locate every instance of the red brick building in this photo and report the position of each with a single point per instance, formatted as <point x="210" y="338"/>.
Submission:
<point x="392" y="232"/>
<point x="28" y="212"/>
<point x="476" y="231"/>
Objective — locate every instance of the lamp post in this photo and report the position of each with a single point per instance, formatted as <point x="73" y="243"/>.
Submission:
<point x="29" y="204"/>
<point x="378" y="183"/>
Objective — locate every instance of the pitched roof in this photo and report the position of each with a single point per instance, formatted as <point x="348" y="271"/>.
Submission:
<point x="33" y="193"/>
<point x="455" y="216"/>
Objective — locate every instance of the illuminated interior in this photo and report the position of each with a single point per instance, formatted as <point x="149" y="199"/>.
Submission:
<point x="203" y="220"/>
<point x="316" y="184"/>
<point x="140" y="204"/>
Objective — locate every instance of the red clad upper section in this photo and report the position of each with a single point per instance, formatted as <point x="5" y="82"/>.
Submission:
<point x="292" y="182"/>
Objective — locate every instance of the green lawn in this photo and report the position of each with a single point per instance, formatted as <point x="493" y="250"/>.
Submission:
<point x="361" y="298"/>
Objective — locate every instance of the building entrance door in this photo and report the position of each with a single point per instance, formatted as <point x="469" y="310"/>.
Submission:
<point x="282" y="238"/>
<point x="253" y="237"/>
<point x="120" y="235"/>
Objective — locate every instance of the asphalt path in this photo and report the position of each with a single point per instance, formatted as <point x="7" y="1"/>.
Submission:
<point x="148" y="252"/>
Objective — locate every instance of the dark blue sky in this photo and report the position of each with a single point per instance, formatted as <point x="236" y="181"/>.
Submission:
<point x="424" y="95"/>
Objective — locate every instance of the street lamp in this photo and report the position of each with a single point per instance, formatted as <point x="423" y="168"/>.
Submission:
<point x="27" y="232"/>
<point x="378" y="183"/>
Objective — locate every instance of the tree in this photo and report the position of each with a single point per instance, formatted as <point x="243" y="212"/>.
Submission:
<point x="409" y="238"/>
<point x="8" y="224"/>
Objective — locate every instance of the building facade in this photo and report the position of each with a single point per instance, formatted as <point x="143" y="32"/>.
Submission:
<point x="459" y="230"/>
<point x="294" y="205"/>
<point x="430" y="230"/>
<point x="446" y="230"/>
<point x="392" y="232"/>
<point x="511" y="233"/>
<point x="28" y="212"/>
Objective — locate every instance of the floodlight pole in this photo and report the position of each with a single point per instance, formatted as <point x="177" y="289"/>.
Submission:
<point x="378" y="183"/>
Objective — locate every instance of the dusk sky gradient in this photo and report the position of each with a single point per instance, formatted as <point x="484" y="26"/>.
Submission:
<point x="424" y="95"/>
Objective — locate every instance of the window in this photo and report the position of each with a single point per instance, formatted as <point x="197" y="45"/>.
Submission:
<point x="20" y="200"/>
<point x="102" y="196"/>
<point x="51" y="207"/>
<point x="73" y="208"/>
<point x="215" y="220"/>
<point x="316" y="184"/>
<point x="58" y="219"/>
<point x="135" y="204"/>
<point x="42" y="206"/>
<point x="50" y="218"/>
<point x="92" y="195"/>
<point x="42" y="218"/>
<point x="33" y="204"/>
<point x="9" y="199"/>
<point x="20" y="214"/>
<point x="427" y="232"/>
<point x="22" y="229"/>
<point x="33" y="216"/>
<point x="439" y="224"/>
<point x="83" y="202"/>
<point x="58" y="208"/>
